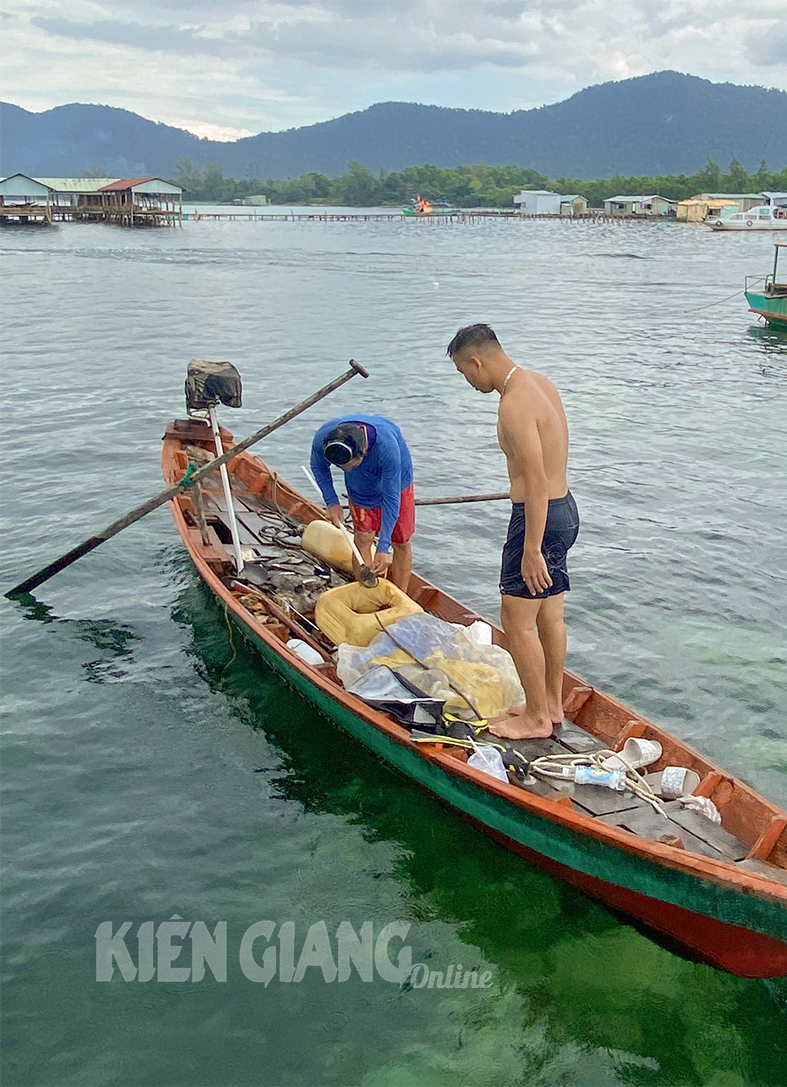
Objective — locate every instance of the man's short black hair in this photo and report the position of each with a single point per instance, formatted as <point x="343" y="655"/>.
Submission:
<point x="344" y="443"/>
<point x="471" y="336"/>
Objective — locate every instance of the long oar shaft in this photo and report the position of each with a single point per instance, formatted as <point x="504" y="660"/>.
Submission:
<point x="498" y="497"/>
<point x="93" y="542"/>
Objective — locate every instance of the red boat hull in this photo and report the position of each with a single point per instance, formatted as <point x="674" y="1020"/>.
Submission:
<point x="728" y="947"/>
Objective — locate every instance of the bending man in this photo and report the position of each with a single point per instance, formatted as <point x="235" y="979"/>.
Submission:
<point x="378" y="469"/>
<point x="533" y="434"/>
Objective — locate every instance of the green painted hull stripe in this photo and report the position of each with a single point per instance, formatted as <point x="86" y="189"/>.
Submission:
<point x="535" y="832"/>
<point x="775" y="309"/>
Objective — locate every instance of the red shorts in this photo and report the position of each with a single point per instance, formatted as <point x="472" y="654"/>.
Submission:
<point x="371" y="520"/>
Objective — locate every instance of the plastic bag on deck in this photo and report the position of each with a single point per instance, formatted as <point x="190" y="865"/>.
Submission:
<point x="385" y="690"/>
<point x="486" y="673"/>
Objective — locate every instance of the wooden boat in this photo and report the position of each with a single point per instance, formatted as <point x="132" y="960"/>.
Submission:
<point x="420" y="207"/>
<point x="722" y="898"/>
<point x="770" y="300"/>
<point x="417" y="213"/>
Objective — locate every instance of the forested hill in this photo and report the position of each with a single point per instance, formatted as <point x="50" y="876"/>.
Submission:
<point x="664" y="123"/>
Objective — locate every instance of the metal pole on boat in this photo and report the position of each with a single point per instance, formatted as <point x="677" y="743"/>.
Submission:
<point x="225" y="482"/>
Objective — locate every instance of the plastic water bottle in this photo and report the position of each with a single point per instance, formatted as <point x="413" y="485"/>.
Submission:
<point x="594" y="775"/>
<point x="490" y="761"/>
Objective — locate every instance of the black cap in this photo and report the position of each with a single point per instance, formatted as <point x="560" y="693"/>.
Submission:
<point x="343" y="444"/>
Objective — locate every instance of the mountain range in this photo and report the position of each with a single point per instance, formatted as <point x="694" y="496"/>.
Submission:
<point x="663" y="123"/>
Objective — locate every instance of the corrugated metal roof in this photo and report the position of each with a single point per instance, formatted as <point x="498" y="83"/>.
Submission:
<point x="76" y="184"/>
<point x="127" y="183"/>
<point x="629" y="199"/>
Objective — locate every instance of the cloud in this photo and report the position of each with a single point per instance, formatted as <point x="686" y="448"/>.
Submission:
<point x="266" y="64"/>
<point x="168" y="39"/>
<point x="222" y="133"/>
<point x="770" y="48"/>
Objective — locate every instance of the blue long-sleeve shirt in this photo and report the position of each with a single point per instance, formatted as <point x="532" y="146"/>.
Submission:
<point x="377" y="483"/>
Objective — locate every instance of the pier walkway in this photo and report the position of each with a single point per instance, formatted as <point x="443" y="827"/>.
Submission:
<point x="464" y="216"/>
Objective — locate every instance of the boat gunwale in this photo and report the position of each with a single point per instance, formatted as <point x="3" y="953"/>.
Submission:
<point x="721" y="872"/>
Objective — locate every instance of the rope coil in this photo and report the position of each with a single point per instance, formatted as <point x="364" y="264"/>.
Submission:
<point x="562" y="767"/>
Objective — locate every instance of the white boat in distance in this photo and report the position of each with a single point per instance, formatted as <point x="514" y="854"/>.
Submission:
<point x="765" y="217"/>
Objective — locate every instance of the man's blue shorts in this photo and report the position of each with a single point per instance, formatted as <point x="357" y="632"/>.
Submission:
<point x="561" y="531"/>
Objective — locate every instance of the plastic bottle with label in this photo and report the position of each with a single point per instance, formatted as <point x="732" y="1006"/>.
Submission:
<point x="594" y="775"/>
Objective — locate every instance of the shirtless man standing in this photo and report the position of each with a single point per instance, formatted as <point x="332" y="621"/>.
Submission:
<point x="533" y="434"/>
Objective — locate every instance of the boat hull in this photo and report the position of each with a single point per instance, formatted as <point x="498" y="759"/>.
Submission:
<point x="749" y="224"/>
<point x="712" y="922"/>
<point x="435" y="213"/>
<point x="774" y="310"/>
<point x="724" y="914"/>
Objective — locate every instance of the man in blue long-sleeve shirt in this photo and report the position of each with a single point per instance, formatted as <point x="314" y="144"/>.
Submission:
<point x="378" y="469"/>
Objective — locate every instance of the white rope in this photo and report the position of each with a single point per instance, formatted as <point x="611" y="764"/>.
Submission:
<point x="562" y="767"/>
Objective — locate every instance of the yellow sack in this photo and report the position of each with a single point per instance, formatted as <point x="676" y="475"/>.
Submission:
<point x="349" y="613"/>
<point x="482" y="682"/>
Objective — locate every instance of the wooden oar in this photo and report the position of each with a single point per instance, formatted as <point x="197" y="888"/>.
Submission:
<point x="136" y="514"/>
<point x="462" y="498"/>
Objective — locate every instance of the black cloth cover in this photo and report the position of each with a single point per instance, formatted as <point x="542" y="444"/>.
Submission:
<point x="209" y="382"/>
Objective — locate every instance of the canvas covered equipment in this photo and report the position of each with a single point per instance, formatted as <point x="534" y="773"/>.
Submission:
<point x="210" y="383"/>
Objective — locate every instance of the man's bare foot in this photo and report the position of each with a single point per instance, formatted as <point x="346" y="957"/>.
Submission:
<point x="520" y="725"/>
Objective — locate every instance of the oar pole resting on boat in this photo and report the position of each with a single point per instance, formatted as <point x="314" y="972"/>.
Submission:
<point x="498" y="496"/>
<point x="225" y="482"/>
<point x="92" y="542"/>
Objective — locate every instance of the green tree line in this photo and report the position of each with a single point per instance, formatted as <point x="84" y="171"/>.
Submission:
<point x="462" y="186"/>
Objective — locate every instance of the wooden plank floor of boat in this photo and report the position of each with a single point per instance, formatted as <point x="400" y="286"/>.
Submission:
<point x="697" y="833"/>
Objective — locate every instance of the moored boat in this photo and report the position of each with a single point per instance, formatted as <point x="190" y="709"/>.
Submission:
<point x="417" y="213"/>
<point x="764" y="217"/>
<point x="719" y="891"/>
<point x="420" y="207"/>
<point x="770" y="301"/>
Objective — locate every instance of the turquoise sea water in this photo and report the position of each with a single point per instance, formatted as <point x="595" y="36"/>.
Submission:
<point x="153" y="767"/>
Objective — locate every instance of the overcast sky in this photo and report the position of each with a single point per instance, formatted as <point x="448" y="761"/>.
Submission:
<point x="229" y="69"/>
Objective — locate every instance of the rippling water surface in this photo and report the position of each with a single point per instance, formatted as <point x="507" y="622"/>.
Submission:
<point x="135" y="719"/>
